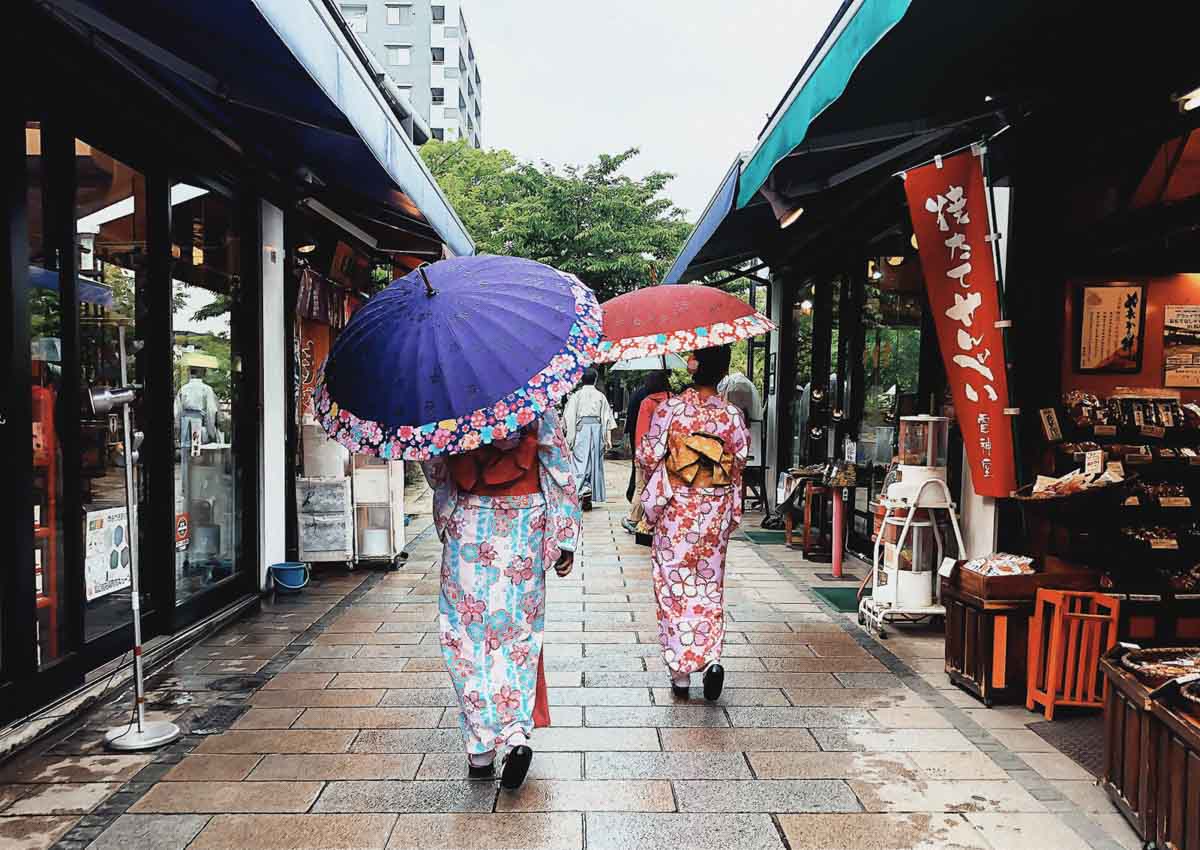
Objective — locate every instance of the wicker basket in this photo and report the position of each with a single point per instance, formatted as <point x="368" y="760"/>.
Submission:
<point x="1156" y="667"/>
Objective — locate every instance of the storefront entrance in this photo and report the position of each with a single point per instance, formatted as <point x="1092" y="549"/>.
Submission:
<point x="121" y="276"/>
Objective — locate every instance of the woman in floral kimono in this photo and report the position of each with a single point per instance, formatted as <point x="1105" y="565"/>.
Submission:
<point x="695" y="450"/>
<point x="506" y="513"/>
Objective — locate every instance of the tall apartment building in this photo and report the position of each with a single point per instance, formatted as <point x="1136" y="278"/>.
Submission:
<point x="426" y="50"/>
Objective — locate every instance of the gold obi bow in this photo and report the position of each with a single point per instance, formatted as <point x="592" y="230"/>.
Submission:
<point x="700" y="460"/>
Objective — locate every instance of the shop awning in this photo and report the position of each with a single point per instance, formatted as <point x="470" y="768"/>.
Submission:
<point x="280" y="78"/>
<point x="718" y="208"/>
<point x="88" y="291"/>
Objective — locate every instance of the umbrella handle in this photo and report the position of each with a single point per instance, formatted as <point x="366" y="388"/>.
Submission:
<point x="429" y="290"/>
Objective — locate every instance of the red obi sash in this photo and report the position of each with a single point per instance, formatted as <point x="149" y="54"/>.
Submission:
<point x="494" y="471"/>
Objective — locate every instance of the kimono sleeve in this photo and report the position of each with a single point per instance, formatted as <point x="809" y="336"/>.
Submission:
<point x="445" y="493"/>
<point x="564" y="517"/>
<point x="652" y="450"/>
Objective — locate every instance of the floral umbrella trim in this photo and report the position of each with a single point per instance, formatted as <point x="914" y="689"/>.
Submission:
<point x="483" y="426"/>
<point x="708" y="336"/>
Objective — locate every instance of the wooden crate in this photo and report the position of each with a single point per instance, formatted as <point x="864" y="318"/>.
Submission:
<point x="1177" y="776"/>
<point x="986" y="642"/>
<point x="1129" y="737"/>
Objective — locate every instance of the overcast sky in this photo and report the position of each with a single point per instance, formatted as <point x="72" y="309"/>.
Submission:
<point x="690" y="82"/>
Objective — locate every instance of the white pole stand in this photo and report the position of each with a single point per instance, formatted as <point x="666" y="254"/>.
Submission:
<point x="138" y="734"/>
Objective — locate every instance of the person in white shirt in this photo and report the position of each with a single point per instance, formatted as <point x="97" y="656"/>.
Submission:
<point x="589" y="422"/>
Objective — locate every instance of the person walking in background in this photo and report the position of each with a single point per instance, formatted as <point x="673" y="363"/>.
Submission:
<point x="695" y="449"/>
<point x="506" y="513"/>
<point x="631" y="415"/>
<point x="589" y="423"/>
<point x="657" y="388"/>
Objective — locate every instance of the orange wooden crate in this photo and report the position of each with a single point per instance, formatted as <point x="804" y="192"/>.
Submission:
<point x="1069" y="633"/>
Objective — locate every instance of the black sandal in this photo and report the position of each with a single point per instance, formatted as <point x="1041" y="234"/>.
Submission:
<point x="515" y="767"/>
<point x="680" y="691"/>
<point x="714" y="682"/>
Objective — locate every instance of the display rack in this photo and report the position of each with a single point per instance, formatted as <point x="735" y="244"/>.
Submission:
<point x="45" y="523"/>
<point x="874" y="611"/>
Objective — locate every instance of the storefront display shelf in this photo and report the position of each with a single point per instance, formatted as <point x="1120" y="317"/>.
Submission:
<point x="1176" y="765"/>
<point x="1128" y="777"/>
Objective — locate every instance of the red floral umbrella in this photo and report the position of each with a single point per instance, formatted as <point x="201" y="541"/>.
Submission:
<point x="673" y="318"/>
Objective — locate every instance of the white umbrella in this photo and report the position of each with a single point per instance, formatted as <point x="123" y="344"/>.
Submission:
<point x="651" y="363"/>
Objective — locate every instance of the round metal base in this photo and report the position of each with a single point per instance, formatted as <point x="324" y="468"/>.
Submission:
<point x="153" y="734"/>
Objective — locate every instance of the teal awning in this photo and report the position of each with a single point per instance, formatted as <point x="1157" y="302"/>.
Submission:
<point x="859" y="30"/>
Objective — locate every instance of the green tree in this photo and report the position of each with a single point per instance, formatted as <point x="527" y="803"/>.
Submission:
<point x="614" y="232"/>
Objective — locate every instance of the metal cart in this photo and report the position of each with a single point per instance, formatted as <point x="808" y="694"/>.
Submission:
<point x="873" y="612"/>
<point x="378" y="494"/>
<point x="325" y="520"/>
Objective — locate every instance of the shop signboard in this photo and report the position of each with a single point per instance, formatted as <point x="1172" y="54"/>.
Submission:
<point x="1181" y="345"/>
<point x="106" y="556"/>
<point x="948" y="202"/>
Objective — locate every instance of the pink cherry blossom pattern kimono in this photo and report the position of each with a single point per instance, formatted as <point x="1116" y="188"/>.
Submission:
<point x="692" y="526"/>
<point x="492" y="608"/>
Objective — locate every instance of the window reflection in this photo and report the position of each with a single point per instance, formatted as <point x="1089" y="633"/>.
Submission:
<point x="205" y="286"/>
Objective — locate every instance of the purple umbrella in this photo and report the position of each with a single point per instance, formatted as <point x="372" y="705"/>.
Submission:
<point x="456" y="355"/>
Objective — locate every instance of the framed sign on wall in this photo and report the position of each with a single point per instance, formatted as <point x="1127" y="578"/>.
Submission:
<point x="1111" y="327"/>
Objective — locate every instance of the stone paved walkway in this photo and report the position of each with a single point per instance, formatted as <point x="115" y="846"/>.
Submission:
<point x="327" y="722"/>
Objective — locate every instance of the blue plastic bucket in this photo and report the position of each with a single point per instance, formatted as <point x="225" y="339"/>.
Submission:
<point x="290" y="575"/>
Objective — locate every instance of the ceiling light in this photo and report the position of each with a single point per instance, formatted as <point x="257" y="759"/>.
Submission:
<point x="786" y="210"/>
<point x="806" y="305"/>
<point x="895" y="261"/>
<point x="873" y="271"/>
<point x="306" y="245"/>
<point x="914" y="242"/>
<point x="1188" y="100"/>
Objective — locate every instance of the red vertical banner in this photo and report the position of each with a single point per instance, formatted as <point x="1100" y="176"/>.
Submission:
<point x="948" y="202"/>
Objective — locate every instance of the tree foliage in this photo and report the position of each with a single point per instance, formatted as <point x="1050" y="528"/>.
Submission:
<point x="614" y="232"/>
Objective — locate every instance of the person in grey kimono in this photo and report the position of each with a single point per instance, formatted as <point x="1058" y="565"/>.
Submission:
<point x="589" y="423"/>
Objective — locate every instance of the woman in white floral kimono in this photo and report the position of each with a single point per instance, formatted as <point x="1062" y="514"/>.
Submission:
<point x="506" y="513"/>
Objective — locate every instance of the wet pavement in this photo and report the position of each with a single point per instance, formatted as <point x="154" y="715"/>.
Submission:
<point x="328" y="721"/>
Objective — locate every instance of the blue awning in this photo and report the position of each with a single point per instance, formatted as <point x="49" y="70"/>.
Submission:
<point x="281" y="78"/>
<point x="714" y="215"/>
<point x="88" y="291"/>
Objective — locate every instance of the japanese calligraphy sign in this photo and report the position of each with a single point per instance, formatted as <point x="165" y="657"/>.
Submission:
<point x="948" y="203"/>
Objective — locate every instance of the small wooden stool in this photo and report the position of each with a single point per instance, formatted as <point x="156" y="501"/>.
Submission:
<point x="1069" y="633"/>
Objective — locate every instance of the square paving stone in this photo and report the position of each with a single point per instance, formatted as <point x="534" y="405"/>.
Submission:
<point x="227" y="797"/>
<point x="102" y="768"/>
<point x="35" y="832"/>
<point x="623" y="831"/>
<point x="881" y="832"/>
<point x="421" y="697"/>
<point x="666" y="766"/>
<point x="589" y="796"/>
<point x="599" y="696"/>
<point x="414" y="797"/>
<point x="585" y="739"/>
<point x="896" y="740"/>
<point x="823" y="765"/>
<point x="268" y="718"/>
<point x="67" y="798"/>
<point x="317" y="699"/>
<point x="202" y="768"/>
<point x="1009" y="831"/>
<point x="973" y="765"/>
<point x="285" y="741"/>
<point x="295" y="832"/>
<point x="865" y="698"/>
<point x="658" y="716"/>
<point x="772" y="795"/>
<point x="298" y="681"/>
<point x="344" y="766"/>
<point x="369" y="718"/>
<point x="945" y="796"/>
<point x="545" y="766"/>
<point x="800" y="717"/>
<point x="737" y="740"/>
<point x="562" y="831"/>
<point x="150" y="832"/>
<point x="410" y="741"/>
<point x="763" y="697"/>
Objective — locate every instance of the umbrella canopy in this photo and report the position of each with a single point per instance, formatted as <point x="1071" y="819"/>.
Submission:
<point x="480" y="350"/>
<point x="663" y="319"/>
<point x="653" y="363"/>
